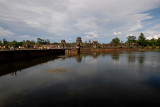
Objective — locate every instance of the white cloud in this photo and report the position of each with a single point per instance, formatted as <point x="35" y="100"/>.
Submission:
<point x="91" y="35"/>
<point x="95" y="36"/>
<point x="88" y="37"/>
<point x="117" y="33"/>
<point x="130" y="35"/>
<point x="5" y="33"/>
<point x="152" y="34"/>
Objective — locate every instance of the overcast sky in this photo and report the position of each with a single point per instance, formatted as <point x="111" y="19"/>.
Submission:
<point x="100" y="20"/>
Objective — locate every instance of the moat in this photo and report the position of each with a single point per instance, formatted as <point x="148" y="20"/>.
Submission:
<point x="88" y="79"/>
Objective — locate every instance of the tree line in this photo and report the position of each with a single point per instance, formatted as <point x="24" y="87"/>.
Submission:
<point x="25" y="43"/>
<point x="142" y="41"/>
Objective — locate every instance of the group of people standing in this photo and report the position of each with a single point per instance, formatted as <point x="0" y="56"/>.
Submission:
<point x="9" y="47"/>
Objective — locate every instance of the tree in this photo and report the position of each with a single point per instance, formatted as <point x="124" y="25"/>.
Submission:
<point x="131" y="39"/>
<point x="115" y="41"/>
<point x="4" y="42"/>
<point x="54" y="43"/>
<point x="153" y="42"/>
<point x="39" y="41"/>
<point x="47" y="41"/>
<point x="0" y="43"/>
<point x="142" y="40"/>
<point x="42" y="41"/>
<point x="158" y="42"/>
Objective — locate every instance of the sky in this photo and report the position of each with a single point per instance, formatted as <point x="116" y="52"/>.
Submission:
<point x="97" y="20"/>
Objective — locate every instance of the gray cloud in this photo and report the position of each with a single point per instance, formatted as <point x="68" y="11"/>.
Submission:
<point x="5" y="33"/>
<point x="70" y="17"/>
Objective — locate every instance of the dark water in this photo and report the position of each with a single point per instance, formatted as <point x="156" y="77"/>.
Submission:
<point x="92" y="79"/>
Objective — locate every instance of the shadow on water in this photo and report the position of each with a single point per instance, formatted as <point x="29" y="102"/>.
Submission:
<point x="17" y="66"/>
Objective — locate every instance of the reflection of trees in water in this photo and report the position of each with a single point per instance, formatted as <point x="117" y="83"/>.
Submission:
<point x="141" y="60"/>
<point x="115" y="57"/>
<point x="115" y="54"/>
<point x="131" y="58"/>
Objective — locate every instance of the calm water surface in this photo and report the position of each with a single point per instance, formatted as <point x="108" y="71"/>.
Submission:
<point x="89" y="79"/>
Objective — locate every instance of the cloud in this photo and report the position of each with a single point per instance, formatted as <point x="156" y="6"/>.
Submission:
<point x="152" y="34"/>
<point x="91" y="35"/>
<point x="25" y="36"/>
<point x="149" y="34"/>
<point x="67" y="18"/>
<point x="117" y="33"/>
<point x="5" y="33"/>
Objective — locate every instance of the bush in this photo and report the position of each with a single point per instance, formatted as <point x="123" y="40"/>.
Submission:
<point x="120" y="47"/>
<point x="153" y="46"/>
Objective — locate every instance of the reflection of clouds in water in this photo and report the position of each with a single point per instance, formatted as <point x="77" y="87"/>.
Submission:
<point x="152" y="62"/>
<point x="58" y="70"/>
<point x="117" y="62"/>
<point x="90" y="60"/>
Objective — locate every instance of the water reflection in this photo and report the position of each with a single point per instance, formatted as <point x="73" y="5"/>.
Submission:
<point x="17" y="66"/>
<point x="58" y="70"/>
<point x="12" y="68"/>
<point x="131" y="58"/>
<point x="85" y="79"/>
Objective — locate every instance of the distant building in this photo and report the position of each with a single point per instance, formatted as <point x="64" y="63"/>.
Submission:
<point x="78" y="41"/>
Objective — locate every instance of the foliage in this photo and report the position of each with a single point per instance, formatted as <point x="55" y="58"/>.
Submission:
<point x="142" y="40"/>
<point x="153" y="42"/>
<point x="131" y="39"/>
<point x="115" y="41"/>
<point x="42" y="41"/>
<point x="1" y="43"/>
<point x="5" y="42"/>
<point x="55" y="43"/>
<point x="84" y="44"/>
<point x="158" y="41"/>
<point x="73" y="44"/>
<point x="153" y="46"/>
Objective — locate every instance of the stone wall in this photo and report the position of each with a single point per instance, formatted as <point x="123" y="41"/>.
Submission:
<point x="8" y="56"/>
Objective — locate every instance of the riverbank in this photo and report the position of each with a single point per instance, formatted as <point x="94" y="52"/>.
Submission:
<point x="116" y="49"/>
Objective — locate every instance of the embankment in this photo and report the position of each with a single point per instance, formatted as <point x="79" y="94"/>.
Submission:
<point x="9" y="56"/>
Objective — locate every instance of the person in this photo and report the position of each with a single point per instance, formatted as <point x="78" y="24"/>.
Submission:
<point x="0" y="47"/>
<point x="14" y="47"/>
<point x="4" y="47"/>
<point x="9" y="47"/>
<point x="19" y="47"/>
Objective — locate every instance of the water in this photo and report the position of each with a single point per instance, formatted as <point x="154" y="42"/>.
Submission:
<point x="91" y="79"/>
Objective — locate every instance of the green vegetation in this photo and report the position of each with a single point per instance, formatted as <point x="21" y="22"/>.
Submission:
<point x="25" y="43"/>
<point x="131" y="39"/>
<point x="141" y="42"/>
<point x="115" y="41"/>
